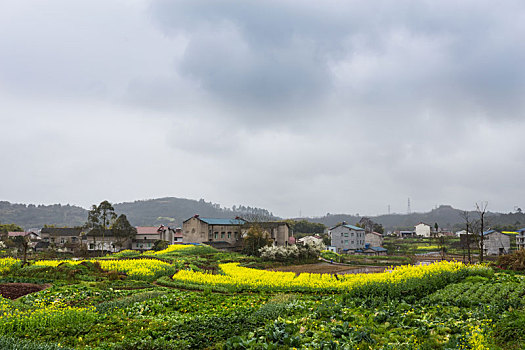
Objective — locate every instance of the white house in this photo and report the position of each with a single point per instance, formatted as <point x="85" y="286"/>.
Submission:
<point x="422" y="229"/>
<point x="310" y="240"/>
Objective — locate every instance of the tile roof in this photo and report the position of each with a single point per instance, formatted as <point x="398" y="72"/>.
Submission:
<point x="352" y="227"/>
<point x="213" y="221"/>
<point x="147" y="230"/>
<point x="15" y="234"/>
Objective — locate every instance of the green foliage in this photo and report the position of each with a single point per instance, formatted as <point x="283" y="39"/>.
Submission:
<point x="304" y="226"/>
<point x="254" y="240"/>
<point x="511" y="328"/>
<point x="160" y="245"/>
<point x="514" y="261"/>
<point x="11" y="343"/>
<point x="5" y="228"/>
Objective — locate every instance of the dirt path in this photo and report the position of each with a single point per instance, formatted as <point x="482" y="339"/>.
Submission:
<point x="17" y="290"/>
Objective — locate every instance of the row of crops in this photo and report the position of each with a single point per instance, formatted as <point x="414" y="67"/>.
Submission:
<point x="111" y="303"/>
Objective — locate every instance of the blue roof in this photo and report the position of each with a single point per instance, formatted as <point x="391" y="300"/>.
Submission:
<point x="379" y="249"/>
<point x="354" y="227"/>
<point x="213" y="221"/>
<point x="488" y="232"/>
<point x="521" y="230"/>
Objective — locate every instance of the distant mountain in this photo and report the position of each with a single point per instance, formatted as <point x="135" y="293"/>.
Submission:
<point x="169" y="211"/>
<point x="30" y="216"/>
<point x="173" y="211"/>
<point x="445" y="216"/>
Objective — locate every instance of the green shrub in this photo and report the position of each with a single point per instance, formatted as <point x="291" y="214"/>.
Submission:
<point x="10" y="343"/>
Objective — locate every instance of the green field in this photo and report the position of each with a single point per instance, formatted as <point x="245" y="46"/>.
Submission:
<point x="86" y="306"/>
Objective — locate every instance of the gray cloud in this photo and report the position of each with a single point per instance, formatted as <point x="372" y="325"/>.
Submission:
<point x="289" y="105"/>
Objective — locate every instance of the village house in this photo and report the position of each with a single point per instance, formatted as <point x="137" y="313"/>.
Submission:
<point x="32" y="237"/>
<point x="278" y="231"/>
<point x="495" y="243"/>
<point x="370" y="250"/>
<point x="211" y="230"/>
<point x="520" y="238"/>
<point x="147" y="236"/>
<point x="63" y="239"/>
<point x="374" y="239"/>
<point x="107" y="242"/>
<point x="347" y="238"/>
<point x="422" y="230"/>
<point x="310" y="240"/>
<point x="228" y="233"/>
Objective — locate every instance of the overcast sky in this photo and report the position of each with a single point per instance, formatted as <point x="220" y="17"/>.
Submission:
<point x="295" y="106"/>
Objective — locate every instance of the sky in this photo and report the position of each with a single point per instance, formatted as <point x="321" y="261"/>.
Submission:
<point x="297" y="106"/>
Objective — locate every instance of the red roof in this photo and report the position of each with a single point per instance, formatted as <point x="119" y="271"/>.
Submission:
<point x="147" y="230"/>
<point x="15" y="234"/>
<point x="178" y="234"/>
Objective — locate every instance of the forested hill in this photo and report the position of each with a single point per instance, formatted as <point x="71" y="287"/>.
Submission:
<point x="445" y="216"/>
<point x="169" y="211"/>
<point x="30" y="216"/>
<point x="173" y="211"/>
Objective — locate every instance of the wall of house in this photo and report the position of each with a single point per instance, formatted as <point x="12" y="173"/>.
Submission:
<point x="496" y="243"/>
<point x="520" y="240"/>
<point x="197" y="231"/>
<point x="423" y="230"/>
<point x="346" y="238"/>
<point x="374" y="240"/>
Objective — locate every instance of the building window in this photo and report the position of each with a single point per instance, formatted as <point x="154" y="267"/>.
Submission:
<point x="236" y="235"/>
<point x="341" y="241"/>
<point x="222" y="234"/>
<point x="91" y="246"/>
<point x="352" y="234"/>
<point x="352" y="242"/>
<point x="216" y="235"/>
<point x="341" y="234"/>
<point x="346" y="241"/>
<point x="346" y="234"/>
<point x="229" y="235"/>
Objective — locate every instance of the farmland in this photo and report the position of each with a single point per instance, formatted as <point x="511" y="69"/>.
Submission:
<point x="194" y="297"/>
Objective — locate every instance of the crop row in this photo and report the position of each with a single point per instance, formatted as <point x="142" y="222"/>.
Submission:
<point x="236" y="277"/>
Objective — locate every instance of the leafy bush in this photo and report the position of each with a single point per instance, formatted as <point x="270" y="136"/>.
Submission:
<point x="293" y="252"/>
<point x="511" y="328"/>
<point x="514" y="261"/>
<point x="10" y="343"/>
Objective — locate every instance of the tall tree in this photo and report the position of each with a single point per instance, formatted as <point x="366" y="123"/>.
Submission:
<point x="99" y="219"/>
<point x="122" y="229"/>
<point x="465" y="215"/>
<point x="481" y="208"/>
<point x="22" y="244"/>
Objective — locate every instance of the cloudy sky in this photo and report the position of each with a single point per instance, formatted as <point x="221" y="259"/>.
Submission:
<point x="290" y="105"/>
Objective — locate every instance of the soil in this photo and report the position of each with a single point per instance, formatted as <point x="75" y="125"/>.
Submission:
<point x="17" y="290"/>
<point x="327" y="268"/>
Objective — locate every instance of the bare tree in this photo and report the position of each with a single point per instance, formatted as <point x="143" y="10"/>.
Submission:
<point x="481" y="208"/>
<point x="465" y="215"/>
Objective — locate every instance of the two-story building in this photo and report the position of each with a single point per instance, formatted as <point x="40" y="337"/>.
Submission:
<point x="374" y="239"/>
<point x="202" y="230"/>
<point x="63" y="239"/>
<point x="347" y="238"/>
<point x="422" y="229"/>
<point x="146" y="237"/>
